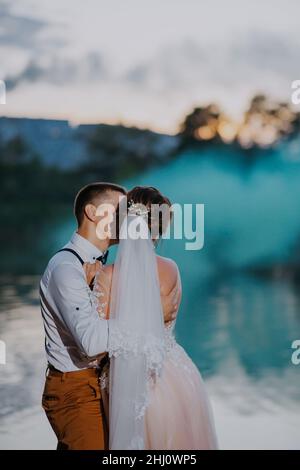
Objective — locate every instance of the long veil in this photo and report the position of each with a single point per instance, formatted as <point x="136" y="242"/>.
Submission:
<point x="136" y="344"/>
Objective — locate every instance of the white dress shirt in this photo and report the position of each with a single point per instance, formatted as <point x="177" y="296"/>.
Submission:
<point x="75" y="334"/>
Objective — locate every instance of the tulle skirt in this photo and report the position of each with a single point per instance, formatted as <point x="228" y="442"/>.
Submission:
<point x="179" y="415"/>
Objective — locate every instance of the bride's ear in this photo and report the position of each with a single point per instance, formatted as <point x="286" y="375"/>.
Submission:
<point x="90" y="212"/>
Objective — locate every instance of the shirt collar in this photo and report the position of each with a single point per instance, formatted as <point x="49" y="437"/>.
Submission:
<point x="87" y="248"/>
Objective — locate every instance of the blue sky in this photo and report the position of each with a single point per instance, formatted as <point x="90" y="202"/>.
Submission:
<point x="145" y="63"/>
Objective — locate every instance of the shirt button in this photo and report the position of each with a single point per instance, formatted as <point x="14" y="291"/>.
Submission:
<point x="77" y="308"/>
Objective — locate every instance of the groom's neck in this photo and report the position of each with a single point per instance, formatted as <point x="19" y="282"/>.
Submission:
<point x="89" y="232"/>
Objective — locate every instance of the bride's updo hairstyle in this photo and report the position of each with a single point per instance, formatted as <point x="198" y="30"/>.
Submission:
<point x="158" y="220"/>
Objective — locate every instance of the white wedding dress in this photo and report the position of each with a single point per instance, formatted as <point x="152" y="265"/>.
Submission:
<point x="179" y="415"/>
<point x="157" y="399"/>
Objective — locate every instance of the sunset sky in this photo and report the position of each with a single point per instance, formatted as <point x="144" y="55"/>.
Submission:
<point x="144" y="63"/>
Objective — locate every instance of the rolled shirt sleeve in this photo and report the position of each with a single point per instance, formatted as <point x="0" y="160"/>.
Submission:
<point x="72" y="297"/>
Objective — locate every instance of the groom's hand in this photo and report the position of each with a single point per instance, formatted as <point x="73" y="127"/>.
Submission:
<point x="170" y="303"/>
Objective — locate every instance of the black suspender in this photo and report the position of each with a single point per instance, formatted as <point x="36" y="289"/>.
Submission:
<point x="91" y="285"/>
<point x="74" y="253"/>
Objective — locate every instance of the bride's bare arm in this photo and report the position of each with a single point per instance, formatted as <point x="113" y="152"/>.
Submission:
<point x="170" y="287"/>
<point x="170" y="302"/>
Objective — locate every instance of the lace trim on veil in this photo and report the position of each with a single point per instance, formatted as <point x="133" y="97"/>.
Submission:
<point x="126" y="343"/>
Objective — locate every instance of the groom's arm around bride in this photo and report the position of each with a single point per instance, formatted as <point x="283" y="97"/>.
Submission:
<point x="76" y="337"/>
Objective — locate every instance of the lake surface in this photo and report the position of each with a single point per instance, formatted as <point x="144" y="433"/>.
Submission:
<point x="240" y="310"/>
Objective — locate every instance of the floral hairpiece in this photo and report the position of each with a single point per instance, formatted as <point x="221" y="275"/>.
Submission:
<point x="137" y="208"/>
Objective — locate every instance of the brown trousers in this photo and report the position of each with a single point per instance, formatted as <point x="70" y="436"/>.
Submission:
<point x="74" y="407"/>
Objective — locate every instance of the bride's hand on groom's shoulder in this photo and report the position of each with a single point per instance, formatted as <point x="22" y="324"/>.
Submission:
<point x="91" y="269"/>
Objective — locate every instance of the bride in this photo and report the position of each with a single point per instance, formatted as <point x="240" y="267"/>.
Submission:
<point x="157" y="399"/>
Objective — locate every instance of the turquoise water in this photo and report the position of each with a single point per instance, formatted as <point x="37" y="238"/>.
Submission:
<point x="240" y="310"/>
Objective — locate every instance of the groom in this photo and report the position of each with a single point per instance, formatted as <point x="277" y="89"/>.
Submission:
<point x="76" y="337"/>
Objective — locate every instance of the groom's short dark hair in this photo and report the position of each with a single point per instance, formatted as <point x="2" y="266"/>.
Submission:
<point x="89" y="193"/>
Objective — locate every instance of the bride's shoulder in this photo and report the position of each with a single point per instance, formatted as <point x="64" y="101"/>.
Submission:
<point x="167" y="268"/>
<point x="168" y="263"/>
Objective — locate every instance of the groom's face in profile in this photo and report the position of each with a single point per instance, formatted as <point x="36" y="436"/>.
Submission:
<point x="95" y="208"/>
<point x="106" y="211"/>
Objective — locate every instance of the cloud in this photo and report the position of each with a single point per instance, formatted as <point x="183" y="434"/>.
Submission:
<point x="60" y="71"/>
<point x="23" y="32"/>
<point x="250" y="61"/>
<point x="267" y="52"/>
<point x="174" y="66"/>
<point x="257" y="56"/>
